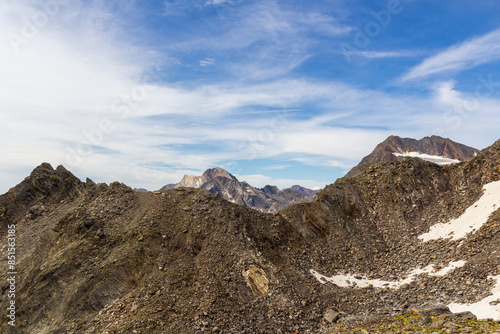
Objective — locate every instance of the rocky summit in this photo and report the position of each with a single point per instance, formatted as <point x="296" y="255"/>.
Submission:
<point x="402" y="247"/>
<point x="268" y="199"/>
<point x="435" y="149"/>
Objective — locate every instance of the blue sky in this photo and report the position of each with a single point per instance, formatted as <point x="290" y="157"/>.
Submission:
<point x="276" y="92"/>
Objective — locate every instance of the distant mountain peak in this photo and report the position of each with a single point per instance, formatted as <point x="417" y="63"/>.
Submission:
<point x="218" y="172"/>
<point x="268" y="199"/>
<point x="435" y="149"/>
<point x="209" y="175"/>
<point x="304" y="191"/>
<point x="271" y="189"/>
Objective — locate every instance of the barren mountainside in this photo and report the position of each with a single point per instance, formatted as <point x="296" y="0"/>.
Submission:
<point x="95" y="258"/>
<point x="394" y="149"/>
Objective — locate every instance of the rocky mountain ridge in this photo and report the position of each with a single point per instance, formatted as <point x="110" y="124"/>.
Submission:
<point x="105" y="259"/>
<point x="381" y="221"/>
<point x="436" y="149"/>
<point x="304" y="191"/>
<point x="268" y="199"/>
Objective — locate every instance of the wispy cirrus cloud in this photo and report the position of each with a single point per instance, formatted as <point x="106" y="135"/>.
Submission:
<point x="216" y="2"/>
<point x="460" y="57"/>
<point x="260" y="40"/>
<point x="323" y="24"/>
<point x="384" y="54"/>
<point x="207" y="62"/>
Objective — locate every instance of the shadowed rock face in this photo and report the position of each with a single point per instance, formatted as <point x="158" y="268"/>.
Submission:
<point x="219" y="181"/>
<point x="434" y="145"/>
<point x="97" y="258"/>
<point x="270" y="189"/>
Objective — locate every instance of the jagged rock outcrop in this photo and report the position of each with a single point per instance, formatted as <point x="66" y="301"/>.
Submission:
<point x="43" y="184"/>
<point x="394" y="149"/>
<point x="271" y="190"/>
<point x="219" y="181"/>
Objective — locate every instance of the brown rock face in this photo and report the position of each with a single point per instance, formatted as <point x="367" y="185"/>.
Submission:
<point x="434" y="145"/>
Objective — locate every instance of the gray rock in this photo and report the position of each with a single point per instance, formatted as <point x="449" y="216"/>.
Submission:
<point x="331" y="315"/>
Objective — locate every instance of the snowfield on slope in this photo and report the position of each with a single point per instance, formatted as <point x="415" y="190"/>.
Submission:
<point x="427" y="157"/>
<point x="346" y="281"/>
<point x="489" y="307"/>
<point x="472" y="219"/>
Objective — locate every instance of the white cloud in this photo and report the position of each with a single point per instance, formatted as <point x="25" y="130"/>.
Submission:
<point x="207" y="62"/>
<point x="468" y="54"/>
<point x="383" y="54"/>
<point x="57" y="81"/>
<point x="447" y="95"/>
<point x="216" y="2"/>
<point x="322" y="24"/>
<point x="275" y="167"/>
<point x="466" y="117"/>
<point x="331" y="142"/>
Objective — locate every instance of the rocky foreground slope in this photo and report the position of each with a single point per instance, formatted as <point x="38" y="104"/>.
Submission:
<point x="93" y="258"/>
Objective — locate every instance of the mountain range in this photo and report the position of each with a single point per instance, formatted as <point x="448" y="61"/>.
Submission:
<point x="271" y="199"/>
<point x="402" y="246"/>
<point x="267" y="199"/>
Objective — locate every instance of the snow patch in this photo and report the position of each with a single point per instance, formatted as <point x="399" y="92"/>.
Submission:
<point x="440" y="160"/>
<point x="472" y="219"/>
<point x="489" y="307"/>
<point x="346" y="281"/>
